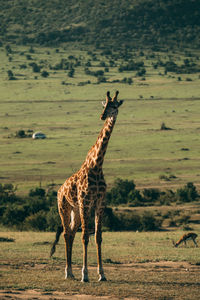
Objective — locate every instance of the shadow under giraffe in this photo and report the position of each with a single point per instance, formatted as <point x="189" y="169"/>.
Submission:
<point x="86" y="189"/>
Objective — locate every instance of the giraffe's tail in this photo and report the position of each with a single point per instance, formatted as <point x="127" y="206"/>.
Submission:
<point x="58" y="233"/>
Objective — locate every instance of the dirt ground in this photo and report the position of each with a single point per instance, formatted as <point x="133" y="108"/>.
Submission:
<point x="165" y="266"/>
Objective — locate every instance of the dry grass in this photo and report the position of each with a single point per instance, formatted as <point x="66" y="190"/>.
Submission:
<point x="140" y="265"/>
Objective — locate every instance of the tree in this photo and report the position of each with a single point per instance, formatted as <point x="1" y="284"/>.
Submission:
<point x="36" y="68"/>
<point x="11" y="75"/>
<point x="37" y="192"/>
<point x="8" y="49"/>
<point x="120" y="191"/>
<point x="20" y="134"/>
<point x="141" y="72"/>
<point x="44" y="74"/>
<point x="71" y="73"/>
<point x="188" y="193"/>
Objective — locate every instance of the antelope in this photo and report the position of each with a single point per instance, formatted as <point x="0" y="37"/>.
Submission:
<point x="187" y="236"/>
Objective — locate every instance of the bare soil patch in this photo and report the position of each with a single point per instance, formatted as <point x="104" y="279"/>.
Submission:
<point x="166" y="268"/>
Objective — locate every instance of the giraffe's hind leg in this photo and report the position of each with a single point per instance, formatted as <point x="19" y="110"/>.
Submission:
<point x="65" y="215"/>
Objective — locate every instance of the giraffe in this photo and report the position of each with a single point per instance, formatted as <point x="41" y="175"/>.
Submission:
<point x="86" y="189"/>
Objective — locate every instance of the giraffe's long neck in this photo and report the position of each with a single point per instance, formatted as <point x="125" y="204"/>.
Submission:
<point x="96" y="154"/>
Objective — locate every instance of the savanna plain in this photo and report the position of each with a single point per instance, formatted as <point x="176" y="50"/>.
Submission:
<point x="51" y="90"/>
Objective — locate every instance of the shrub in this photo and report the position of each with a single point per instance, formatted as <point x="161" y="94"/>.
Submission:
<point x="8" y="49"/>
<point x="149" y="222"/>
<point x="110" y="221"/>
<point x="37" y="192"/>
<point x="129" y="222"/>
<point x="44" y="74"/>
<point x="11" y="75"/>
<point x="31" y="50"/>
<point x="135" y="198"/>
<point x="20" y="134"/>
<point x="188" y="193"/>
<point x="14" y="215"/>
<point x="101" y="79"/>
<point x="53" y="219"/>
<point x="36" y="221"/>
<point x="71" y="73"/>
<point x="151" y="195"/>
<point x="36" y="68"/>
<point x="37" y="204"/>
<point x="141" y="72"/>
<point x="120" y="191"/>
<point x="7" y="193"/>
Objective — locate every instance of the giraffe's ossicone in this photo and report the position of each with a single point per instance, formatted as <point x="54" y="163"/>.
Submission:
<point x="84" y="190"/>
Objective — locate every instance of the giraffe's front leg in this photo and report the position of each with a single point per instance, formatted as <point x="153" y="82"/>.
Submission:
<point x="98" y="239"/>
<point x="85" y="241"/>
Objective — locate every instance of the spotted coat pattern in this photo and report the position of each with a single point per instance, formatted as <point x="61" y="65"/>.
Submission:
<point x="84" y="190"/>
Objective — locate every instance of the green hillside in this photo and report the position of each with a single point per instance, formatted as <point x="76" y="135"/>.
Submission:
<point x="101" y="22"/>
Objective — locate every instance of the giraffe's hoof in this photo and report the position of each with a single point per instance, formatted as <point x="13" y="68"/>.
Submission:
<point x="84" y="280"/>
<point x="85" y="277"/>
<point x="102" y="278"/>
<point x="69" y="276"/>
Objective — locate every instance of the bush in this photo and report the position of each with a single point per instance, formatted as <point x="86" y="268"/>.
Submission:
<point x="37" y="192"/>
<point x="20" y="134"/>
<point x="151" y="195"/>
<point x="120" y="191"/>
<point x="14" y="215"/>
<point x="188" y="193"/>
<point x="141" y="72"/>
<point x="11" y="75"/>
<point x="101" y="79"/>
<point x="53" y="219"/>
<point x="129" y="222"/>
<point x="110" y="221"/>
<point x="36" y="68"/>
<point x="71" y="73"/>
<point x="44" y="74"/>
<point x="135" y="198"/>
<point x="7" y="193"/>
<point x="36" y="221"/>
<point x="149" y="222"/>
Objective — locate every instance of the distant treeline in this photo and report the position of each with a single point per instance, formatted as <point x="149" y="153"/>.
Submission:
<point x="117" y="22"/>
<point x="38" y="210"/>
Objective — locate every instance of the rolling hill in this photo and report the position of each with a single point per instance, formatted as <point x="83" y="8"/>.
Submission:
<point x="101" y="22"/>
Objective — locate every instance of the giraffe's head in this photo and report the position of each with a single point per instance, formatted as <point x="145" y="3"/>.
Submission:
<point x="110" y="106"/>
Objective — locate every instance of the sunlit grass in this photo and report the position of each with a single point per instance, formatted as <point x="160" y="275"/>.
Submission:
<point x="69" y="116"/>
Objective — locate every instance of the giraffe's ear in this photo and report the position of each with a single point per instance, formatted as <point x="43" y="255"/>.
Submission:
<point x="114" y="99"/>
<point x="104" y="103"/>
<point x="120" y="102"/>
<point x="108" y="98"/>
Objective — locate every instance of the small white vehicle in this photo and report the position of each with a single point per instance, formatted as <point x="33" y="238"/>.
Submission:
<point x="38" y="135"/>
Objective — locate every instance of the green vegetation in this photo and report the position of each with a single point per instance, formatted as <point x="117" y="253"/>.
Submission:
<point x="138" y="22"/>
<point x="38" y="210"/>
<point x="67" y="110"/>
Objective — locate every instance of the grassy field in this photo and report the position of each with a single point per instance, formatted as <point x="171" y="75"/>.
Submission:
<point x="137" y="265"/>
<point x="68" y="113"/>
